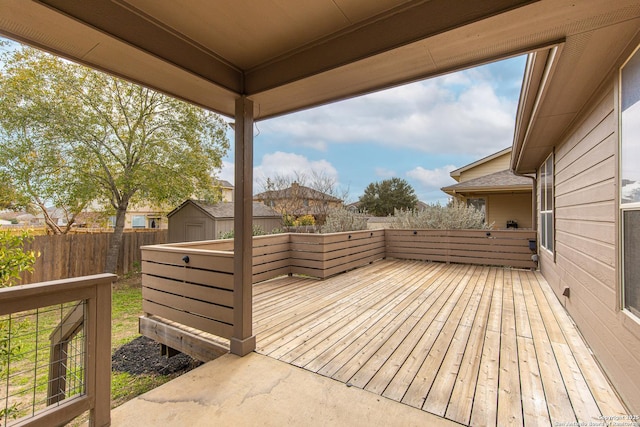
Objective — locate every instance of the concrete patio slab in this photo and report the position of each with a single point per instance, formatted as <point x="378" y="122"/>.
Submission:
<point x="259" y="390"/>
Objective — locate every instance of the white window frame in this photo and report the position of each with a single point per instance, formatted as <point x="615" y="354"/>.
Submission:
<point x="628" y="206"/>
<point x="137" y="217"/>
<point x="547" y="204"/>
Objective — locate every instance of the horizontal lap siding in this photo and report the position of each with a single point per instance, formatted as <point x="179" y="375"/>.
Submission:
<point x="585" y="242"/>
<point x="462" y="246"/>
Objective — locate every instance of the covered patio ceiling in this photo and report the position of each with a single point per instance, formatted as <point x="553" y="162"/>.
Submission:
<point x="256" y="59"/>
<point x="288" y="55"/>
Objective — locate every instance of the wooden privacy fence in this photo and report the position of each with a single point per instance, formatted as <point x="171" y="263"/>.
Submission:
<point x="73" y="255"/>
<point x="192" y="283"/>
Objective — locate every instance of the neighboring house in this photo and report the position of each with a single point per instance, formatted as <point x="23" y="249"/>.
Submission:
<point x="299" y="200"/>
<point x="144" y="216"/>
<point x="147" y="216"/>
<point x="195" y="220"/>
<point x="227" y="190"/>
<point x="489" y="185"/>
<point x="577" y="129"/>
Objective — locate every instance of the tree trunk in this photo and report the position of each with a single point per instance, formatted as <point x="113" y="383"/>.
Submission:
<point x="111" y="265"/>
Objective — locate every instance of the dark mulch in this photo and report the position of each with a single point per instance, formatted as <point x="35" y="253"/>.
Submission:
<point x="142" y="356"/>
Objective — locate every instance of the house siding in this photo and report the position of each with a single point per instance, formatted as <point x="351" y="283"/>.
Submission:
<point x="586" y="253"/>
<point x="498" y="164"/>
<point x="509" y="207"/>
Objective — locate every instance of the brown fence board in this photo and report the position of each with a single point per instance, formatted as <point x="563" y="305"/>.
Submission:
<point x="485" y="247"/>
<point x="74" y="255"/>
<point x="185" y="274"/>
<point x="204" y="324"/>
<point x="206" y="260"/>
<point x="189" y="290"/>
<point x="178" y="302"/>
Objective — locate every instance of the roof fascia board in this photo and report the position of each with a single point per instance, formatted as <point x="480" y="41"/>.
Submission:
<point x="539" y="70"/>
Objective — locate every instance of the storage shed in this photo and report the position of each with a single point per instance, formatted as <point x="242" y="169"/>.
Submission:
<point x="196" y="220"/>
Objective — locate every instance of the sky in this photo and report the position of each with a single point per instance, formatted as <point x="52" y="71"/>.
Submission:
<point x="418" y="132"/>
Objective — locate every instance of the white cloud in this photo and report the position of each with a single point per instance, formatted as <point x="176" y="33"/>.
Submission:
<point x="461" y="112"/>
<point x="289" y="165"/>
<point x="431" y="179"/>
<point x="227" y="172"/>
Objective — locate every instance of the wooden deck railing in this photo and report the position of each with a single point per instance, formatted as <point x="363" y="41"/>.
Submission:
<point x="483" y="247"/>
<point x="93" y="394"/>
<point x="192" y="284"/>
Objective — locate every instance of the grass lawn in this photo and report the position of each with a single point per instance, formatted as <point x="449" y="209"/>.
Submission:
<point x="126" y="309"/>
<point x="31" y="342"/>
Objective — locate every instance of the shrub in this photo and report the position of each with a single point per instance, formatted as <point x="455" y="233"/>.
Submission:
<point x="257" y="231"/>
<point x="341" y="219"/>
<point x="454" y="216"/>
<point x="13" y="258"/>
<point x="305" y="220"/>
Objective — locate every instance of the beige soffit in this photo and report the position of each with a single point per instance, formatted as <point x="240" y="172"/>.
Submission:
<point x="288" y="55"/>
<point x="564" y="80"/>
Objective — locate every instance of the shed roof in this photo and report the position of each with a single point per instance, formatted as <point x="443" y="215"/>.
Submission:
<point x="226" y="209"/>
<point x="498" y="181"/>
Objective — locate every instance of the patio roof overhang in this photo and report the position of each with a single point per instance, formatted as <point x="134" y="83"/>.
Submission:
<point x="255" y="60"/>
<point x="288" y="55"/>
<point x="561" y="81"/>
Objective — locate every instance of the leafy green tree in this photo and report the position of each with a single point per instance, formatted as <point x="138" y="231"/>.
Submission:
<point x="382" y="198"/>
<point x="74" y="137"/>
<point x="13" y="259"/>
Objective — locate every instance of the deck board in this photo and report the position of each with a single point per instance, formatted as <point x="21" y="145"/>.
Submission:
<point x="473" y="344"/>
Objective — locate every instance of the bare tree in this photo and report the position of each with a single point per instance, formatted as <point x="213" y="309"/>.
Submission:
<point x="300" y="193"/>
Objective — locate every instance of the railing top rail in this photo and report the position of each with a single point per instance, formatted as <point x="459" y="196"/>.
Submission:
<point x="26" y="297"/>
<point x="168" y="247"/>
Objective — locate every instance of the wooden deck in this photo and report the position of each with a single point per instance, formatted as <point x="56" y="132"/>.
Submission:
<point x="476" y="345"/>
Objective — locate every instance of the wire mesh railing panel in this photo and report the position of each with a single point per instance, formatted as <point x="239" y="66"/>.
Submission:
<point x="42" y="359"/>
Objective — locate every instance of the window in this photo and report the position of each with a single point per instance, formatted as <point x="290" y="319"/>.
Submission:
<point x="630" y="181"/>
<point x="138" y="221"/>
<point x="546" y="204"/>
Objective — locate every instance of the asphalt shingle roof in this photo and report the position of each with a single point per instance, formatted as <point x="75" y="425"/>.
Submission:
<point x="503" y="179"/>
<point x="226" y="209"/>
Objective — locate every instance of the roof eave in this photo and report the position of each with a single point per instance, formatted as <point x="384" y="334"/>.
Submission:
<point x="537" y="76"/>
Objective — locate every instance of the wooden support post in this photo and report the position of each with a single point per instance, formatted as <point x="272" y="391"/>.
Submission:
<point x="243" y="341"/>
<point x="100" y="339"/>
